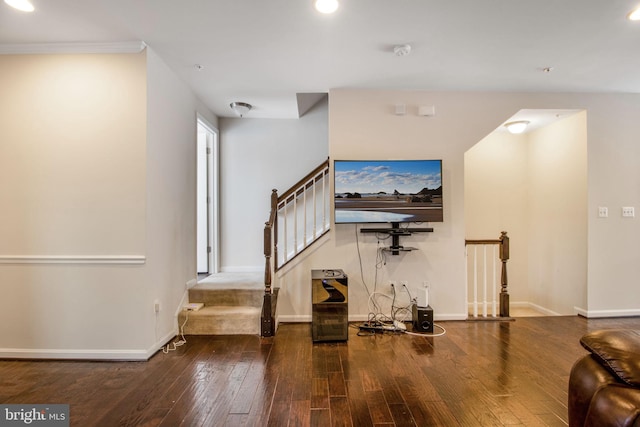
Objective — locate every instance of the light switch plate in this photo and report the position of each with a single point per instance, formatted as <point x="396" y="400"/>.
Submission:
<point x="628" y="212"/>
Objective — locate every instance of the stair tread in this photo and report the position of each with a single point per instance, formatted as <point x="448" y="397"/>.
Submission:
<point x="226" y="309"/>
<point x="219" y="281"/>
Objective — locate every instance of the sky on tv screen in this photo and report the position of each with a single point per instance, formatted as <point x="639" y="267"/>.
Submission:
<point x="405" y="176"/>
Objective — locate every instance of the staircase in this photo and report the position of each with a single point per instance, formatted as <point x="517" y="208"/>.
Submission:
<point x="232" y="305"/>
<point x="246" y="303"/>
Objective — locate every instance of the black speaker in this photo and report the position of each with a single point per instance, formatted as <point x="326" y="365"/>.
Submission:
<point x="422" y="319"/>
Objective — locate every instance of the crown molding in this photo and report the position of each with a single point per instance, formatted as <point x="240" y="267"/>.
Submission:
<point x="57" y="48"/>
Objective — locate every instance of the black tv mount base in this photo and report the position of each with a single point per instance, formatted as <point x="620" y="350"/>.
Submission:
<point x="395" y="232"/>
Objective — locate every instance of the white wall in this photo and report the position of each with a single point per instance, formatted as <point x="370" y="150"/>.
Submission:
<point x="614" y="182"/>
<point x="256" y="156"/>
<point x="97" y="188"/>
<point x="171" y="196"/>
<point x="362" y="124"/>
<point x="534" y="186"/>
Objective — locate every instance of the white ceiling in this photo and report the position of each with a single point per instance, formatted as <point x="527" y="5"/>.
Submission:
<point x="264" y="52"/>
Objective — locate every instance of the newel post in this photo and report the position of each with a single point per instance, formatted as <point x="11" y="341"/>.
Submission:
<point x="270" y="241"/>
<point x="274" y="225"/>
<point x="267" y="258"/>
<point x="504" y="257"/>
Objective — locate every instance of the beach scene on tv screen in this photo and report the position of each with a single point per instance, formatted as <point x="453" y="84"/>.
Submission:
<point x="388" y="191"/>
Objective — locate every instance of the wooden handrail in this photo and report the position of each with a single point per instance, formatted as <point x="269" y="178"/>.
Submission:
<point x="296" y="187"/>
<point x="482" y="242"/>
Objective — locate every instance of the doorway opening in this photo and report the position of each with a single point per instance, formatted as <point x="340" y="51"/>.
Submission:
<point x="207" y="199"/>
<point x="534" y="186"/>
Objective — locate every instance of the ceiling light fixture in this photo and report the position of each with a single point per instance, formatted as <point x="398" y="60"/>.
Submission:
<point x="634" y="15"/>
<point x="326" y="6"/>
<point x="241" y="108"/>
<point x="23" y="5"/>
<point x="518" y="126"/>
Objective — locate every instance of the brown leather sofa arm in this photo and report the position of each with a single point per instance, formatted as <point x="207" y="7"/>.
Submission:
<point x="614" y="405"/>
<point x="587" y="376"/>
<point x="604" y="386"/>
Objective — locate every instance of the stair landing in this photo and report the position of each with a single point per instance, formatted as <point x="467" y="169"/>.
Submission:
<point x="232" y="305"/>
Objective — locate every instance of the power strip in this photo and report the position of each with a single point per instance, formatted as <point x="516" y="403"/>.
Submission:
<point x="193" y="306"/>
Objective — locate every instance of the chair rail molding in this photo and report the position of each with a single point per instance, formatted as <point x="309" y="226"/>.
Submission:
<point x="73" y="259"/>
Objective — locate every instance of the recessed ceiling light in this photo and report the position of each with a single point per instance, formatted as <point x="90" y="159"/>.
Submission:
<point x="634" y="15"/>
<point x="23" y="5"/>
<point x="326" y="6"/>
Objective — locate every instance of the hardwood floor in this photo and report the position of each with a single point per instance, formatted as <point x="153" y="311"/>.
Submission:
<point x="478" y="374"/>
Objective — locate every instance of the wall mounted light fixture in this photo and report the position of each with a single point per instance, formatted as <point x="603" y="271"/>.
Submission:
<point x="518" y="126"/>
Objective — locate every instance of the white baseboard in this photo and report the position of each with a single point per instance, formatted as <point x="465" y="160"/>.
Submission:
<point x="66" y="354"/>
<point x="536" y="307"/>
<point x="86" y="354"/>
<point x="363" y="317"/>
<point x="595" y="314"/>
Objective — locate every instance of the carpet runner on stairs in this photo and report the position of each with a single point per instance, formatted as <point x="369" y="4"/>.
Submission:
<point x="232" y="305"/>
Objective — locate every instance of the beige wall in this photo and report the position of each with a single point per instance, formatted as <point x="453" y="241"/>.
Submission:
<point x="496" y="200"/>
<point x="97" y="188"/>
<point x="557" y="182"/>
<point x="72" y="169"/>
<point x="72" y="183"/>
<point x="362" y="125"/>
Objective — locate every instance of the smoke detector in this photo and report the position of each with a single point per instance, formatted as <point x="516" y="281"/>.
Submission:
<point x="402" y="49"/>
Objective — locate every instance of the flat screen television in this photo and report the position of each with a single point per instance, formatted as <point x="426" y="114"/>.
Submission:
<point x="387" y="191"/>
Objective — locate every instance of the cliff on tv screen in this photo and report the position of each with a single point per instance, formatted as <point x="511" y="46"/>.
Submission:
<point x="386" y="191"/>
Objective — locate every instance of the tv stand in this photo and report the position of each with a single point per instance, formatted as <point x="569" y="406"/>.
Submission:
<point x="395" y="232"/>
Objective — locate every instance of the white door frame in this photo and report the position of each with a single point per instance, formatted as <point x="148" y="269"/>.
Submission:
<point x="212" y="195"/>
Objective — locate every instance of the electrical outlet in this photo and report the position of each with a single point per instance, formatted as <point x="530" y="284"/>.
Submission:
<point x="404" y="284"/>
<point x="392" y="286"/>
<point x="628" y="212"/>
<point x="193" y="306"/>
<point x="156" y="306"/>
<point x="603" y="212"/>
